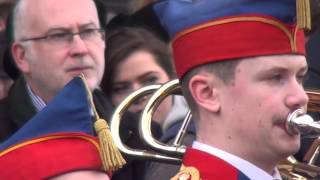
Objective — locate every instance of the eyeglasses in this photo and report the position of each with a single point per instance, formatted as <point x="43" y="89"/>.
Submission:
<point x="66" y="38"/>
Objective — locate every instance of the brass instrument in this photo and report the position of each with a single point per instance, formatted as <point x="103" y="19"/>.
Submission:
<point x="146" y="118"/>
<point x="115" y="123"/>
<point x="291" y="169"/>
<point x="314" y="100"/>
<point x="297" y="122"/>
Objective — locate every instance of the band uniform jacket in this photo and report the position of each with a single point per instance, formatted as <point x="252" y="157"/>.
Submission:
<point x="199" y="165"/>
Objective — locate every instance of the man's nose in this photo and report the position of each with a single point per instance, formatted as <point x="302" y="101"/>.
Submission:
<point x="78" y="46"/>
<point x="297" y="96"/>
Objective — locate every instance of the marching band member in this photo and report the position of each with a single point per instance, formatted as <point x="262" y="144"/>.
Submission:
<point x="241" y="64"/>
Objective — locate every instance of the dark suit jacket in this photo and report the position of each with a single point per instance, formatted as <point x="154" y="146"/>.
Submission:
<point x="17" y="109"/>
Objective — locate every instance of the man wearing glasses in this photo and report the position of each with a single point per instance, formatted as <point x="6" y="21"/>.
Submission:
<point x="53" y="41"/>
<point x="54" y="44"/>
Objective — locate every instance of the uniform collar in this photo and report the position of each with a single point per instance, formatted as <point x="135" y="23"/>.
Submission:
<point x="247" y="168"/>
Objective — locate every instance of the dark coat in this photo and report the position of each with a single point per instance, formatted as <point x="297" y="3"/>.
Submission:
<point x="6" y="127"/>
<point x="16" y="108"/>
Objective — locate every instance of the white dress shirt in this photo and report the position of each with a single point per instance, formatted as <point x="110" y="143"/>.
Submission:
<point x="247" y="168"/>
<point x="37" y="101"/>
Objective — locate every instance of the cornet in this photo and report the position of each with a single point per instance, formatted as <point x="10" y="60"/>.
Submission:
<point x="297" y="121"/>
<point x="115" y="123"/>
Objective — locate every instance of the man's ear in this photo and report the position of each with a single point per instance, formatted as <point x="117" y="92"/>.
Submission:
<point x="203" y="88"/>
<point x="19" y="56"/>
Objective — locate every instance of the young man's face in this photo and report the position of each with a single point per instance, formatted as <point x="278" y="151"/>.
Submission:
<point x="50" y="64"/>
<point x="257" y="102"/>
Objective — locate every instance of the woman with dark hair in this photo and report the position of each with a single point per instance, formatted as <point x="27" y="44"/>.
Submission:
<point x="136" y="58"/>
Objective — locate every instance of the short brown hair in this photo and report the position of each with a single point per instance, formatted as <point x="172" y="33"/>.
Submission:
<point x="224" y="70"/>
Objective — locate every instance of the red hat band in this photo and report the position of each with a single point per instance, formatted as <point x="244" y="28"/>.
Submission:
<point x="234" y="38"/>
<point x="49" y="156"/>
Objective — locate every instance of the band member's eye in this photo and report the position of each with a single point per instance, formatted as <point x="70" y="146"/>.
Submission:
<point x="276" y="77"/>
<point x="301" y="78"/>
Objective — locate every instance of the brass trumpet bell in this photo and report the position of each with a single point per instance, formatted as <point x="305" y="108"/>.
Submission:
<point x="115" y="124"/>
<point x="292" y="169"/>
<point x="146" y="118"/>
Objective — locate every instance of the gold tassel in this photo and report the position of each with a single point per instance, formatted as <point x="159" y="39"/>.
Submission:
<point x="110" y="155"/>
<point x="303" y="14"/>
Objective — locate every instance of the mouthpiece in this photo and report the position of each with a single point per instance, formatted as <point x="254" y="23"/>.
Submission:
<point x="299" y="122"/>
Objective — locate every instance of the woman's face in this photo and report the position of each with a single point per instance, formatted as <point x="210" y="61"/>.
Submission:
<point x="138" y="70"/>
